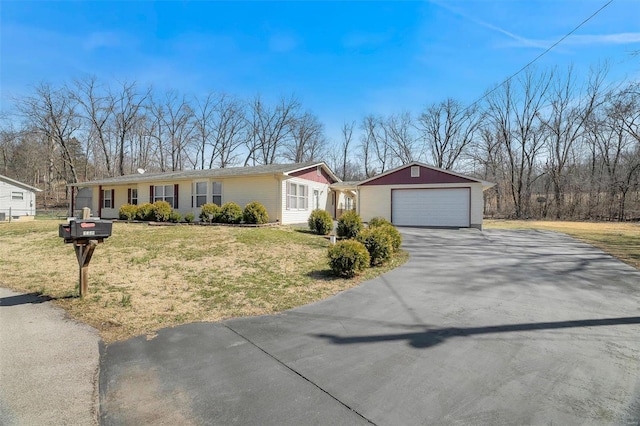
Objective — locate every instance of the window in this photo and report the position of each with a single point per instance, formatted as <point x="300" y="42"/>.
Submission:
<point x="297" y="196"/>
<point x="349" y="203"/>
<point x="133" y="196"/>
<point x="415" y="171"/>
<point x="107" y="199"/>
<point x="217" y="193"/>
<point x="200" y="194"/>
<point x="164" y="193"/>
<point x="17" y="195"/>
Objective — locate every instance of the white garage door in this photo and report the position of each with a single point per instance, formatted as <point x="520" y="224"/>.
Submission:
<point x="430" y="207"/>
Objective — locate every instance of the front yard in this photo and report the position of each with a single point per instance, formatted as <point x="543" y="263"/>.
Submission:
<point x="144" y="278"/>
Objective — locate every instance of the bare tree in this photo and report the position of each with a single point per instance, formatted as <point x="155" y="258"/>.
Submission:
<point x="129" y="104"/>
<point x="96" y="108"/>
<point x="512" y="112"/>
<point x="270" y="129"/>
<point x="203" y="132"/>
<point x="307" y="140"/>
<point x="52" y="113"/>
<point x="565" y="119"/>
<point x="447" y="129"/>
<point x="400" y="137"/>
<point x="230" y="130"/>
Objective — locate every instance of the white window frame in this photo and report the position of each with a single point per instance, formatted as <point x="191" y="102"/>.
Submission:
<point x="415" y="171"/>
<point x="171" y="199"/>
<point x="15" y="195"/>
<point x="297" y="196"/>
<point x="107" y="202"/>
<point x="200" y="198"/>
<point x="134" y="196"/>
<point x="216" y="193"/>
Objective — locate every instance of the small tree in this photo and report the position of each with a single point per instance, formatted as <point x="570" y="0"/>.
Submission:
<point x="378" y="221"/>
<point x="230" y="213"/>
<point x="349" y="225"/>
<point x="145" y="211"/>
<point x="161" y="211"/>
<point x="378" y="244"/>
<point x="128" y="212"/>
<point x="393" y="233"/>
<point x="320" y="222"/>
<point x="255" y="213"/>
<point x="348" y="258"/>
<point x="209" y="212"/>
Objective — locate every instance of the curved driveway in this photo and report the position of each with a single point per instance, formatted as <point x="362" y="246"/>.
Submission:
<point x="493" y="327"/>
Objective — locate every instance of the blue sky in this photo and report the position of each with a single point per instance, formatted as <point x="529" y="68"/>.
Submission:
<point x="342" y="60"/>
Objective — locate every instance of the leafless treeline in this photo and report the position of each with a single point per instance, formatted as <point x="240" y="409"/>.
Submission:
<point x="557" y="145"/>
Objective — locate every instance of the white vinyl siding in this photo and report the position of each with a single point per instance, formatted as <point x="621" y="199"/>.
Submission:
<point x="14" y="205"/>
<point x="302" y="215"/>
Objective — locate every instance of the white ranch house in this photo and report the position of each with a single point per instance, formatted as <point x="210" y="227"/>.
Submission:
<point x="289" y="192"/>
<point x="17" y="200"/>
<point x="411" y="195"/>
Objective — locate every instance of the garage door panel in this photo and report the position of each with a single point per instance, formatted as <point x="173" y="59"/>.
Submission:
<point x="448" y="207"/>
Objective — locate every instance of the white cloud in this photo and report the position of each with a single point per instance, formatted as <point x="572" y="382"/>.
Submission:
<point x="619" y="38"/>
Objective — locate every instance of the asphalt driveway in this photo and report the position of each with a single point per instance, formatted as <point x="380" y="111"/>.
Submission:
<point x="494" y="327"/>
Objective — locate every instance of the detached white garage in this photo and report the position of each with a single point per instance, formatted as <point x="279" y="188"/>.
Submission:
<point x="420" y="195"/>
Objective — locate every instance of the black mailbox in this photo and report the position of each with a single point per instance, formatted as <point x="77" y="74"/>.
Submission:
<point x="85" y="229"/>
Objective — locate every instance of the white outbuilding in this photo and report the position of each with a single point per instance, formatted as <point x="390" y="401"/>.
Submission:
<point x="419" y="195"/>
<point x="17" y="200"/>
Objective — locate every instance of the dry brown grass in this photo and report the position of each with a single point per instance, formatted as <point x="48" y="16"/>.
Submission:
<point x="144" y="278"/>
<point x="621" y="240"/>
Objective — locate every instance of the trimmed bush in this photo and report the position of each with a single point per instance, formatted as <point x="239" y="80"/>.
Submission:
<point x="378" y="244"/>
<point x="394" y="234"/>
<point x="348" y="258"/>
<point x="145" y="211"/>
<point x="255" y="213"/>
<point x="175" y="217"/>
<point x="349" y="225"/>
<point x="189" y="217"/>
<point x="161" y="211"/>
<point x="128" y="212"/>
<point x="230" y="213"/>
<point x="320" y="222"/>
<point x="378" y="221"/>
<point x="209" y="209"/>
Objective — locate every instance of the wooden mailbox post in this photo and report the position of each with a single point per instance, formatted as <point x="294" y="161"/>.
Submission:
<point x="85" y="235"/>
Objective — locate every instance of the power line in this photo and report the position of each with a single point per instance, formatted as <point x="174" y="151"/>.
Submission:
<point x="541" y="55"/>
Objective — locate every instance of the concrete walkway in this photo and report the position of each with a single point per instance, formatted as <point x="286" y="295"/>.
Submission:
<point x="48" y="364"/>
<point x="495" y="327"/>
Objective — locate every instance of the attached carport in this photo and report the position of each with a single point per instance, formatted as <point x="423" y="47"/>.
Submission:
<point x="420" y="195"/>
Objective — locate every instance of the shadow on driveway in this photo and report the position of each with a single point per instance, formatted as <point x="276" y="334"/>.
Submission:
<point x="429" y="338"/>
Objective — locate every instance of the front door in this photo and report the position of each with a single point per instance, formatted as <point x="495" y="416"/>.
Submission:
<point x="316" y="199"/>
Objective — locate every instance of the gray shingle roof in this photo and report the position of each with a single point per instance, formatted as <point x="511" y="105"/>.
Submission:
<point x="206" y="173"/>
<point x="19" y="184"/>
